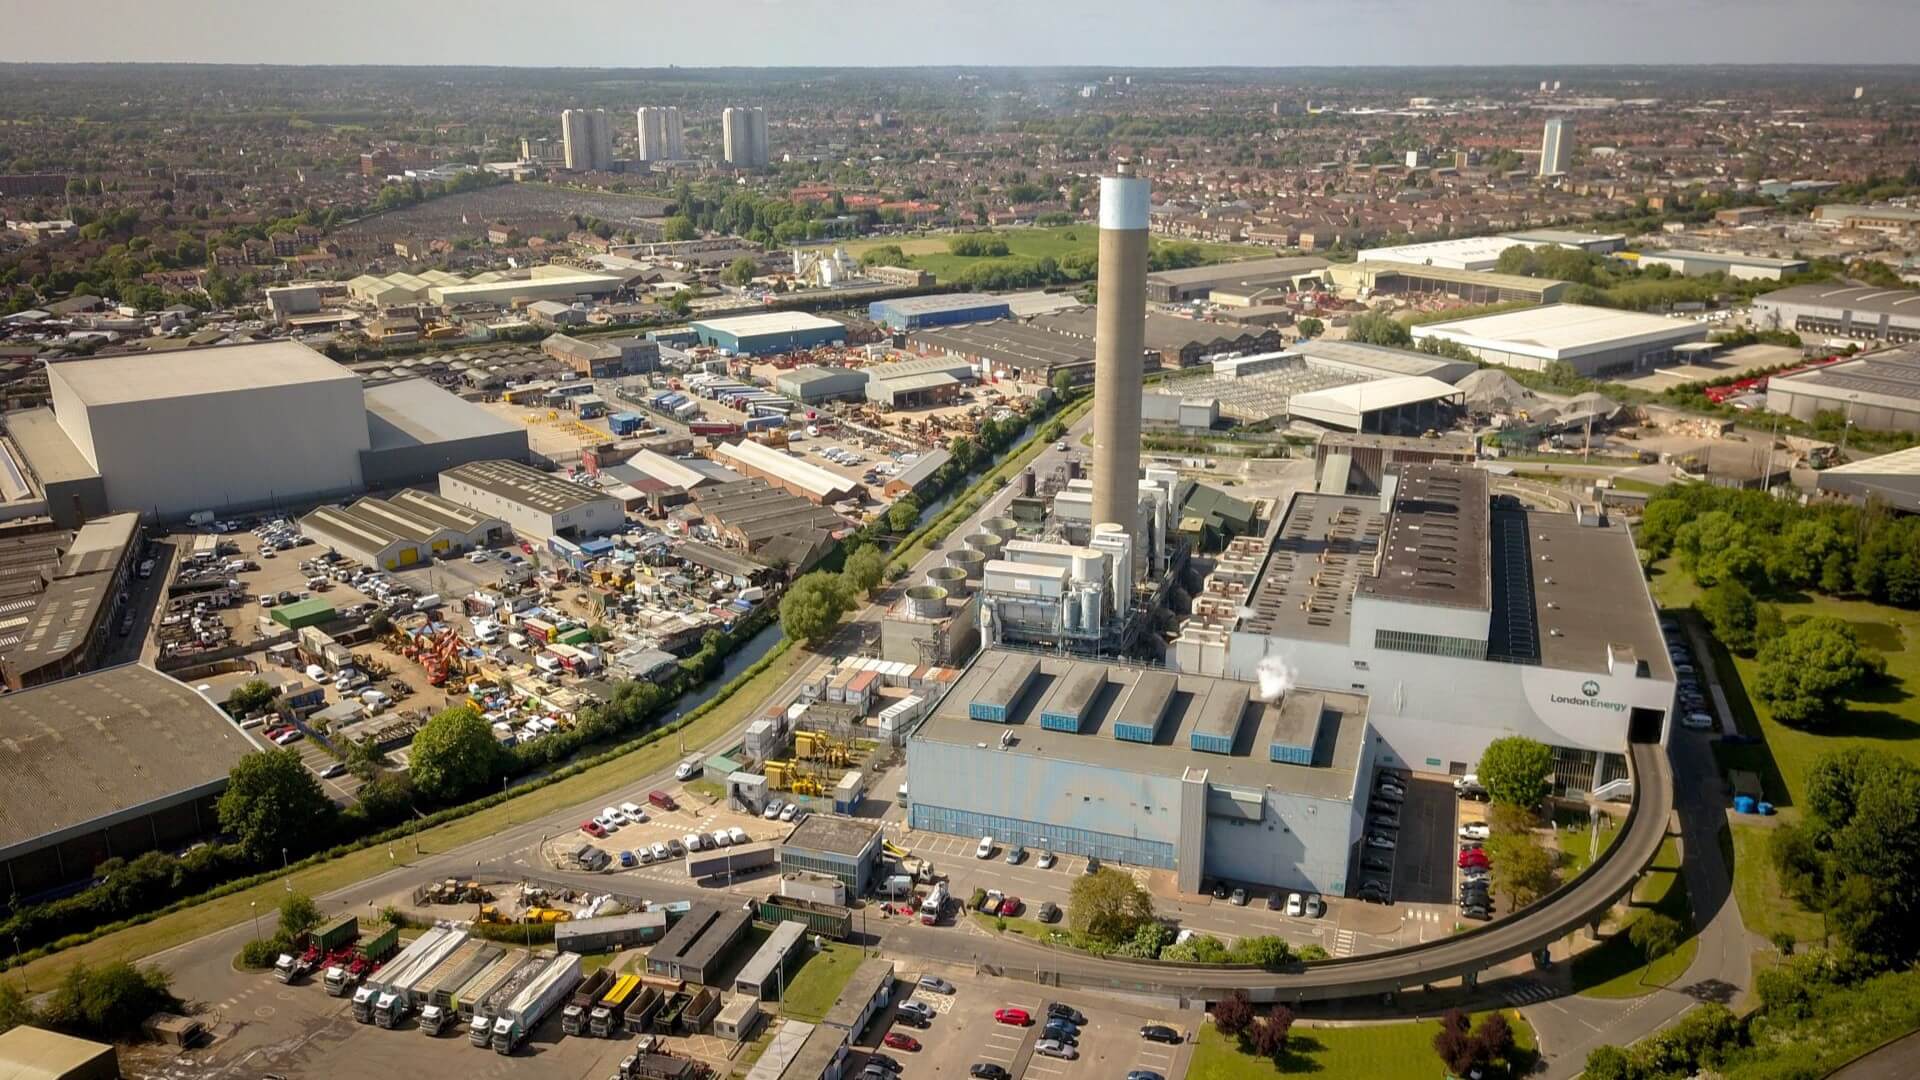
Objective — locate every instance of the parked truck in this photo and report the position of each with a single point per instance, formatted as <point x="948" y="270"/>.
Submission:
<point x="729" y="860"/>
<point x="413" y="962"/>
<point x="491" y="1004"/>
<point x="573" y="1018"/>
<point x="317" y="948"/>
<point x="348" y="970"/>
<point x="535" y="1003"/>
<point x="401" y="993"/>
<point x="609" y="1013"/>
<point x="827" y="920"/>
<point x="434" y="996"/>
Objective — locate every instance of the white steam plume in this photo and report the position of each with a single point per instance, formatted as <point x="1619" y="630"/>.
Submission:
<point x="1275" y="677"/>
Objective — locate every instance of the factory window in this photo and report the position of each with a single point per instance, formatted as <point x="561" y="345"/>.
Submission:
<point x="1430" y="644"/>
<point x="1360" y="665"/>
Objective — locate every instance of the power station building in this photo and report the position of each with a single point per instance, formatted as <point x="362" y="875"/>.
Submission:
<point x="1204" y="776"/>
<point x="1462" y="621"/>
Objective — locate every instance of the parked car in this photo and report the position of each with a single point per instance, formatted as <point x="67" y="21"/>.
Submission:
<point x="1011" y="906"/>
<point x="1474" y="857"/>
<point x="1373" y="892"/>
<point x="987" y="1070"/>
<point x="593" y="829"/>
<point x="1048" y="912"/>
<point x="1239" y="897"/>
<point x="737" y="835"/>
<point x="1016" y="1017"/>
<point x="1475" y="830"/>
<point x="1060" y="1010"/>
<point x="934" y="983"/>
<point x="1380" y="840"/>
<point x="1015" y="854"/>
<point x="1054" y="1048"/>
<point x="1045" y="860"/>
<point x="985" y="850"/>
<point x="789" y="811"/>
<point x="916" y="1008"/>
<point x="1480" y="914"/>
<point x="1161" y="1033"/>
<point x="1696" y="721"/>
<point x="774" y="806"/>
<point x="333" y="770"/>
<point x="900" y="1041"/>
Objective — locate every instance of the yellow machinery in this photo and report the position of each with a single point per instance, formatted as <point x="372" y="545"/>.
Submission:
<point x="817" y="746"/>
<point x="779" y="774"/>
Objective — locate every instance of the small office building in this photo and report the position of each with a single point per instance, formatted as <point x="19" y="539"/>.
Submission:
<point x="765" y="973"/>
<point x="696" y="948"/>
<point x="838" y="847"/>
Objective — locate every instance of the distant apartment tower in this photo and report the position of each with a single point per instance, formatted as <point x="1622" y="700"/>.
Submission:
<point x="1556" y="147"/>
<point x="660" y="133"/>
<point x="744" y="132"/>
<point x="587" y="140"/>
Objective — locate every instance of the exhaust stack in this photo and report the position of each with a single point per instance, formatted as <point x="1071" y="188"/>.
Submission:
<point x="1119" y="344"/>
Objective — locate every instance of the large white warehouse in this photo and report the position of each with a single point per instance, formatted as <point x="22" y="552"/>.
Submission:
<point x="172" y="433"/>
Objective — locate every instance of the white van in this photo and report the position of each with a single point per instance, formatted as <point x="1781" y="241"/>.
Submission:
<point x="517" y="640"/>
<point x="427" y="602"/>
<point x="485" y="631"/>
<point x="688" y="769"/>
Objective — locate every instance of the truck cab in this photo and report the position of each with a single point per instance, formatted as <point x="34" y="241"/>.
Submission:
<point x="363" y="1004"/>
<point x="503" y="1035"/>
<point x="480" y="1029"/>
<point x="573" y="1019"/>
<point x="389" y="1010"/>
<point x="433" y="1019"/>
<point x="337" y="980"/>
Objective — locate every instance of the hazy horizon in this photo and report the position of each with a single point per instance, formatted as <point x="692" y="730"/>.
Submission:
<point x="981" y="33"/>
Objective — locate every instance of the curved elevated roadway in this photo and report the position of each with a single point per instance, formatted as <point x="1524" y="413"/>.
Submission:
<point x="1575" y="904"/>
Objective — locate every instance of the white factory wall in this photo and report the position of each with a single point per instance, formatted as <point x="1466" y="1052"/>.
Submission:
<point x="595" y="518"/>
<point x="1433" y="713"/>
<point x="236" y="450"/>
<point x="1373" y="613"/>
<point x="1297" y="843"/>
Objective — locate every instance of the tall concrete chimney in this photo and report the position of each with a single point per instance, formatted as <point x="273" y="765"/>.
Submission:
<point x="1119" y="343"/>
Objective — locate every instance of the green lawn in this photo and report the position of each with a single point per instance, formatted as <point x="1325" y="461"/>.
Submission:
<point x="1364" y="1052"/>
<point x="931" y="254"/>
<point x="1031" y="928"/>
<point x="1764" y="908"/>
<point x="1885" y="720"/>
<point x="817" y="985"/>
<point x="1613" y="969"/>
<point x="1576" y="848"/>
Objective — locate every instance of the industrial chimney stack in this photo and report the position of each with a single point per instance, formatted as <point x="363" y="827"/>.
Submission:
<point x="1119" y="344"/>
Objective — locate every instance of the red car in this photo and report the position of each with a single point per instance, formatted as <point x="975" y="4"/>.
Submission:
<point x="593" y="829"/>
<point x="1016" y="1017"/>
<point x="900" y="1041"/>
<point x="1010" y="906"/>
<point x="1474" y="857"/>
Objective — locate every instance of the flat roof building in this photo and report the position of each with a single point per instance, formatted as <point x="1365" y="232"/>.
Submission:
<point x="1878" y="392"/>
<point x="31" y="1053"/>
<point x="1387" y="278"/>
<point x="771" y="332"/>
<point x="816" y="385"/>
<point x="767" y="970"/>
<point x="839" y="847"/>
<point x="1893" y="479"/>
<point x="1734" y="265"/>
<point x="110" y="763"/>
<point x="696" y="948"/>
<point x="415" y="429"/>
<point x="1197" y="282"/>
<point x="918" y="383"/>
<point x="1011" y="349"/>
<point x="533" y="503"/>
<point x="1595" y="341"/>
<point x="1348" y="463"/>
<point x="1173" y="341"/>
<point x="1402" y="405"/>
<point x="1379" y="361"/>
<point x="60" y="594"/>
<point x="1847" y="312"/>
<point x="1221" y="781"/>
<point x="780" y="469"/>
<point x="918" y="312"/>
<point x="1481" y="620"/>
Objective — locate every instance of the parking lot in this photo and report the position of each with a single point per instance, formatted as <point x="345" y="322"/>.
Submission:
<point x="963" y="1033"/>
<point x="663" y="827"/>
<point x="1423" y="861"/>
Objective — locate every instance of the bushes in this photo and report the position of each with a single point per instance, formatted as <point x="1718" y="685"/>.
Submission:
<point x="515" y="933"/>
<point x="261" y="953"/>
<point x="108" y="1003"/>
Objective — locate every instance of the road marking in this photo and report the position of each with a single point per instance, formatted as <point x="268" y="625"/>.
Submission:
<point x="1343" y="943"/>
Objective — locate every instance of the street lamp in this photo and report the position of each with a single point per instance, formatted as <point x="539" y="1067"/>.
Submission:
<point x="255" y="905"/>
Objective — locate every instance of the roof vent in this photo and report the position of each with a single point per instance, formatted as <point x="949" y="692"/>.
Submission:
<point x="1546" y="581"/>
<point x="1553" y="633"/>
<point x="1551" y="605"/>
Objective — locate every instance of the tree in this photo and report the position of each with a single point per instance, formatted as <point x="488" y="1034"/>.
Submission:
<point x="1269" y="951"/>
<point x="1655" y="934"/>
<point x="1514" y="770"/>
<point x="108" y="1002"/>
<point x="298" y="914"/>
<point x="903" y="515"/>
<point x="812" y="605"/>
<point x="15" y="1009"/>
<point x="1374" y="328"/>
<point x="1716" y="547"/>
<point x="1730" y="610"/>
<point x="1493" y="1039"/>
<point x="679" y="303"/>
<point x="454" y="754"/>
<point x="250" y="697"/>
<point x="1268" y="1038"/>
<point x="1521" y="867"/>
<point x="1232" y="1015"/>
<point x="1310" y="327"/>
<point x="678" y="227"/>
<point x="1108" y="906"/>
<point x="864" y="570"/>
<point x="1062" y="383"/>
<point x="1609" y="1063"/>
<point x="272" y="803"/>
<point x="884" y="255"/>
<point x="1806" y="673"/>
<point x="1453" y="1042"/>
<point x="740" y="271"/>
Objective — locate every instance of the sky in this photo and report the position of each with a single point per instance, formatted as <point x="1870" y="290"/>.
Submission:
<point x="891" y="33"/>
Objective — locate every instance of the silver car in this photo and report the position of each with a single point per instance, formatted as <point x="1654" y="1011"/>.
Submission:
<point x="1054" y="1048"/>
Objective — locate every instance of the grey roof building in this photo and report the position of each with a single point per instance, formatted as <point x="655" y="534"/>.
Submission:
<point x="1879" y="391"/>
<point x="1852" y="312"/>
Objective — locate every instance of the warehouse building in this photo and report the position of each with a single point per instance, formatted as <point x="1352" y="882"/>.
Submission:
<point x="504" y="288"/>
<point x="1595" y="341"/>
<point x="696" y="948"/>
<point x="770" y="332"/>
<point x="1887" y="219"/>
<point x="796" y="476"/>
<point x="1379" y="361"/>
<point x="1736" y="266"/>
<point x="415" y="430"/>
<point x="1892" y="479"/>
<point x="1188" y="414"/>
<point x="1198" y="282"/>
<point x="920" y="312"/>
<point x="1460" y="253"/>
<point x="815" y="385"/>
<point x="468" y="528"/>
<point x="413" y="527"/>
<point x="60" y="595"/>
<point x="603" y="358"/>
<point x="1148" y="768"/>
<point x="113" y="763"/>
<point x="1878" y="392"/>
<point x="1848" y="312"/>
<point x="1594" y="243"/>
<point x="532" y="503"/>
<point x="837" y="847"/>
<point x="1172" y="341"/>
<point x="244" y="426"/>
<point x="920" y="383"/>
<point x="1475" y="621"/>
<point x="767" y="522"/>
<point x="1403" y="405"/>
<point x="1011" y="350"/>
<point x="1386" y="278"/>
<point x="31" y="1053"/>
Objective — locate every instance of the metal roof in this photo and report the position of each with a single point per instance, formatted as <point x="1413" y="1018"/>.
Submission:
<point x="772" y="322"/>
<point x="1435" y="550"/>
<point x="219" y="369"/>
<point x="1563" y="331"/>
<point x="523" y="484"/>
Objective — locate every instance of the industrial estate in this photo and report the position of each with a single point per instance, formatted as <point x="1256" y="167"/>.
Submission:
<point x="675" y="588"/>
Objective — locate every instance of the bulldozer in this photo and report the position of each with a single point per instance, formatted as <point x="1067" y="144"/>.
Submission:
<point x="456" y="891"/>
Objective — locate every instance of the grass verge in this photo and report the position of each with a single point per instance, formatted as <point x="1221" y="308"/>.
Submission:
<point x="818" y="983"/>
<point x="1615" y="968"/>
<point x="1402" y="1051"/>
<point x="1764" y="906"/>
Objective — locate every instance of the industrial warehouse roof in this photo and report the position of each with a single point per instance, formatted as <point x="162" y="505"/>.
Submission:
<point x="54" y="598"/>
<point x="1435" y="551"/>
<point x="342" y="531"/>
<point x="1889" y="378"/>
<point x="836" y="836"/>
<point x="791" y="470"/>
<point x="1731" y="258"/>
<point x="1893" y="478"/>
<point x="48" y="448"/>
<point x="672" y="473"/>
<point x="523" y="484"/>
<point x="1011" y="344"/>
<point x="1383" y="358"/>
<point x="1487" y="278"/>
<point x="1305" y="590"/>
<point x="31" y="1053"/>
<point x="807" y="376"/>
<point x="104" y="743"/>
<point x="1560" y="331"/>
<point x="772" y="322"/>
<point x="1870" y="298"/>
<point x="1163" y="332"/>
<point x="921" y="365"/>
<point x="921" y="305"/>
<point x="415" y="412"/>
<point x="109" y="380"/>
<point x="1467" y="252"/>
<point x="1244" y="270"/>
<point x="426" y="504"/>
<point x="1355" y="399"/>
<point x="1336" y="753"/>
